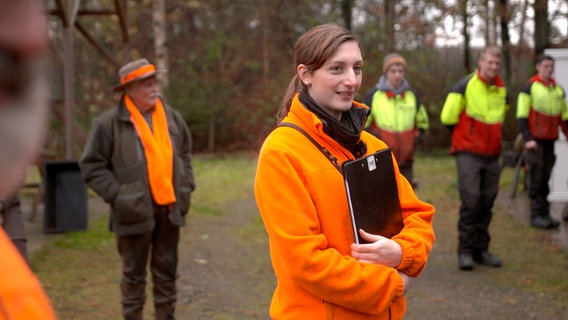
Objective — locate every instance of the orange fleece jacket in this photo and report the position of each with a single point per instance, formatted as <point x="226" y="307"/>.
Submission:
<point x="302" y="200"/>
<point x="21" y="294"/>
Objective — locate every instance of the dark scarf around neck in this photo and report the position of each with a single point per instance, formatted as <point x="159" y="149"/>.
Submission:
<point x="347" y="131"/>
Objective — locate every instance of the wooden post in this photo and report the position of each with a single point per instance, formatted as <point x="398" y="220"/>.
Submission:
<point x="72" y="7"/>
<point x="68" y="89"/>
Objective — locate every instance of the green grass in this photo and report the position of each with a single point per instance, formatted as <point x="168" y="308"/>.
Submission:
<point x="81" y="270"/>
<point x="220" y="180"/>
<point x="532" y="261"/>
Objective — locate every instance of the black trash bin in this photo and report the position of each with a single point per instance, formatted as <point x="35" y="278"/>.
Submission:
<point x="65" y="200"/>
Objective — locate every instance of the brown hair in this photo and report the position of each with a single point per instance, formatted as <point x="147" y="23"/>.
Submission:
<point x="491" y="51"/>
<point x="313" y="49"/>
<point x="544" y="57"/>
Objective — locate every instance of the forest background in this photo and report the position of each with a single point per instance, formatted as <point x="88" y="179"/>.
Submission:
<point x="229" y="61"/>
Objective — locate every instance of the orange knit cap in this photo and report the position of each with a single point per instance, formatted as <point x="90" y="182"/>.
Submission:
<point x="392" y="58"/>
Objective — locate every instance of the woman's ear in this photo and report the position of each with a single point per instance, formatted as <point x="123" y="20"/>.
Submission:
<point x="303" y="74"/>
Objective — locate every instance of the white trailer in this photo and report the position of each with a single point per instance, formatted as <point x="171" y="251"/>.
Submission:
<point x="559" y="179"/>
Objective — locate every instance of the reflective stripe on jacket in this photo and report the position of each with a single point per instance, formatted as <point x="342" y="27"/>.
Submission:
<point x="541" y="108"/>
<point x="302" y="200"/>
<point x="476" y="111"/>
<point x="396" y="120"/>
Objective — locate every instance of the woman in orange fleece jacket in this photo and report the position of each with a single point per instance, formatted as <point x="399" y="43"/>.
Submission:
<point x="322" y="273"/>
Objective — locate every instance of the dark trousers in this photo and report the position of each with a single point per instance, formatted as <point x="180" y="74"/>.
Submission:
<point x="161" y="247"/>
<point x="540" y="163"/>
<point x="407" y="170"/>
<point x="13" y="224"/>
<point x="478" y="183"/>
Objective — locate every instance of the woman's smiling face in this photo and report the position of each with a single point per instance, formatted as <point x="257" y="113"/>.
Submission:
<point x="334" y="86"/>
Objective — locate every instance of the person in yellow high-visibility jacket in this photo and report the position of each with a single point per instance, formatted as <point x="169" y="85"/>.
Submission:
<point x="541" y="109"/>
<point x="474" y="111"/>
<point x="397" y="115"/>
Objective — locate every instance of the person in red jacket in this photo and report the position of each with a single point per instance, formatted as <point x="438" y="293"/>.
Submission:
<point x="397" y="115"/>
<point x="23" y="107"/>
<point x="322" y="273"/>
<point x="474" y="112"/>
<point x="541" y="112"/>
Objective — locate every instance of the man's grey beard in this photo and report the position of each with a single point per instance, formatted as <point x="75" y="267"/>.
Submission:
<point x="22" y="133"/>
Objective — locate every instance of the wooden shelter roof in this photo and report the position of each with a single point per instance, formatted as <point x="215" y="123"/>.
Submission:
<point x="68" y="12"/>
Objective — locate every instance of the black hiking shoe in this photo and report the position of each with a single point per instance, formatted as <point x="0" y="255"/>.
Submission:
<point x="544" y="222"/>
<point x="488" y="259"/>
<point x="465" y="261"/>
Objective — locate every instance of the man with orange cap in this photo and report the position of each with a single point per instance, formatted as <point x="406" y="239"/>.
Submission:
<point x="397" y="115"/>
<point x="138" y="159"/>
<point x="23" y="108"/>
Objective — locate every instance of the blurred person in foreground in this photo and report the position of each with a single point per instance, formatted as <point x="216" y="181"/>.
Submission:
<point x="541" y="109"/>
<point x="474" y="112"/>
<point x="12" y="222"/>
<point x="397" y="115"/>
<point x="24" y="104"/>
<point x="322" y="273"/>
<point x="138" y="159"/>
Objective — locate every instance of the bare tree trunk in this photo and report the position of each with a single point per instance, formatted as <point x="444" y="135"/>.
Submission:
<point x="466" y="37"/>
<point x="389" y="21"/>
<point x="494" y="14"/>
<point x="160" y="36"/>
<point x="346" y="12"/>
<point x="541" y="27"/>
<point x="522" y="41"/>
<point x="486" y="16"/>
<point x="211" y="136"/>
<point x="505" y="39"/>
<point x="265" y="44"/>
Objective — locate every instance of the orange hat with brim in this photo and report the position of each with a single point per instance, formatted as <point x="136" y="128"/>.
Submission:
<point x="135" y="71"/>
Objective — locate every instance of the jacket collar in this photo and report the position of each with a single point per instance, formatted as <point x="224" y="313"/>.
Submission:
<point x="497" y="81"/>
<point x="307" y="118"/>
<point x="537" y="78"/>
<point x="123" y="113"/>
<point x="382" y="85"/>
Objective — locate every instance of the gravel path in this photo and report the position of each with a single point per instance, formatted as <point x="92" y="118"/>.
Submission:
<point x="226" y="274"/>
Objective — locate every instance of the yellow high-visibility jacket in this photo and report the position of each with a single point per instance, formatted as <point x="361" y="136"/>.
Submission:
<point x="398" y="120"/>
<point x="476" y="109"/>
<point x="541" y="108"/>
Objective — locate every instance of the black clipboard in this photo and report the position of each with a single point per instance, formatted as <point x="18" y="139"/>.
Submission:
<point x="372" y="193"/>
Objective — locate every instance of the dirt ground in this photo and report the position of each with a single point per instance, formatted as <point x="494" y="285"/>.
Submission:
<point x="226" y="271"/>
<point x="226" y="274"/>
